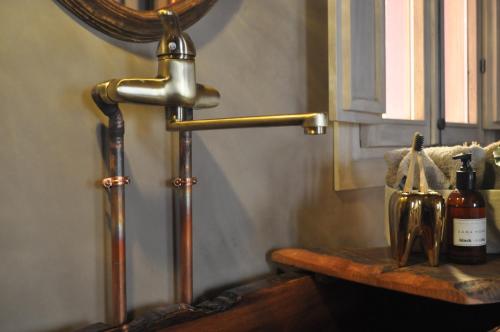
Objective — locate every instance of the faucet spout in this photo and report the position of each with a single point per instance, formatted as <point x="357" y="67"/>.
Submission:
<point x="313" y="123"/>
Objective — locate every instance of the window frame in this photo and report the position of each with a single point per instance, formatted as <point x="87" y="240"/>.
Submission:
<point x="358" y="162"/>
<point x="394" y="132"/>
<point x="489" y="87"/>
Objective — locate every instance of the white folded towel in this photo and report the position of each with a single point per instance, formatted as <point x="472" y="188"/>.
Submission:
<point x="440" y="168"/>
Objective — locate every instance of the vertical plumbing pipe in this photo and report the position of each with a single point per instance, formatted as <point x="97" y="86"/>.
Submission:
<point x="116" y="194"/>
<point x="183" y="200"/>
<point x="186" y="201"/>
<point x="117" y="209"/>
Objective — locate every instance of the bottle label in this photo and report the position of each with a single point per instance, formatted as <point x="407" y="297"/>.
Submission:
<point x="469" y="232"/>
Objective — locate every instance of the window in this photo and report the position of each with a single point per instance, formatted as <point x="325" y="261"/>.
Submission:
<point x="459" y="54"/>
<point x="399" y="66"/>
<point x="460" y="60"/>
<point x="402" y="48"/>
<point x="489" y="108"/>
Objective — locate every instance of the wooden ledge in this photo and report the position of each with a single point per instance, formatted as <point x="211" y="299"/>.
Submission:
<point x="287" y="302"/>
<point x="461" y="284"/>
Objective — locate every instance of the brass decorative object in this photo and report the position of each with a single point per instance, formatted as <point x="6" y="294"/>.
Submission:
<point x="416" y="214"/>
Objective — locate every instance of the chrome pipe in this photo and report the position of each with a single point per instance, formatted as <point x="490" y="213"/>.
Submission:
<point x="313" y="123"/>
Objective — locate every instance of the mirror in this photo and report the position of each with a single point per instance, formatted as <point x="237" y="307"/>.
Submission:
<point x="134" y="20"/>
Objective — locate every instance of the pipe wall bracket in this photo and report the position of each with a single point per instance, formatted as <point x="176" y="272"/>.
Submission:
<point x="115" y="181"/>
<point x="186" y="182"/>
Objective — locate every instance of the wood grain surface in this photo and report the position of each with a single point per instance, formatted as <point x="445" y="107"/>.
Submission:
<point x="461" y="284"/>
<point x="287" y="302"/>
<point x="295" y="304"/>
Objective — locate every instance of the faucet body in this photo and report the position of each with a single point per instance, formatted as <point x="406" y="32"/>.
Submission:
<point x="175" y="87"/>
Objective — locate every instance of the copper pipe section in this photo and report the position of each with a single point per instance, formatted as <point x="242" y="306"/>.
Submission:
<point x="117" y="200"/>
<point x="183" y="193"/>
<point x="185" y="213"/>
<point x="116" y="194"/>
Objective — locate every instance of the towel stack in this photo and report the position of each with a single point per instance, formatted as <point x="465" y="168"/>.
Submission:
<point x="440" y="168"/>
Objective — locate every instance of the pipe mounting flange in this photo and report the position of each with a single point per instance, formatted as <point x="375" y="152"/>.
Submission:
<point x="115" y="181"/>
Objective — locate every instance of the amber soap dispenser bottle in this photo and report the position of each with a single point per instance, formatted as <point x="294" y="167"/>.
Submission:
<point x="466" y="218"/>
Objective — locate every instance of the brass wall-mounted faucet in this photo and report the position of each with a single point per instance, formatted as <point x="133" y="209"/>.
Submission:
<point x="175" y="84"/>
<point x="175" y="88"/>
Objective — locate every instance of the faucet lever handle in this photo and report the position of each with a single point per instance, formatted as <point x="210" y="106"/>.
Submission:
<point x="170" y="21"/>
<point x="174" y="43"/>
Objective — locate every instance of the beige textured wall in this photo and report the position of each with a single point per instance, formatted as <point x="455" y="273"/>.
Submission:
<point x="258" y="188"/>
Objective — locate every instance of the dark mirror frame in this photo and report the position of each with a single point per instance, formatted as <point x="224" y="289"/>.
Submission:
<point x="127" y="24"/>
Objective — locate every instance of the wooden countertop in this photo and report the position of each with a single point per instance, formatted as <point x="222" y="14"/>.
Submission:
<point x="461" y="284"/>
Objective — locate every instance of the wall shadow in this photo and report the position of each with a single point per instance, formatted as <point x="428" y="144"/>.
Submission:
<point x="328" y="219"/>
<point x="217" y="19"/>
<point x="316" y="45"/>
<point x="223" y="232"/>
<point x="218" y="219"/>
